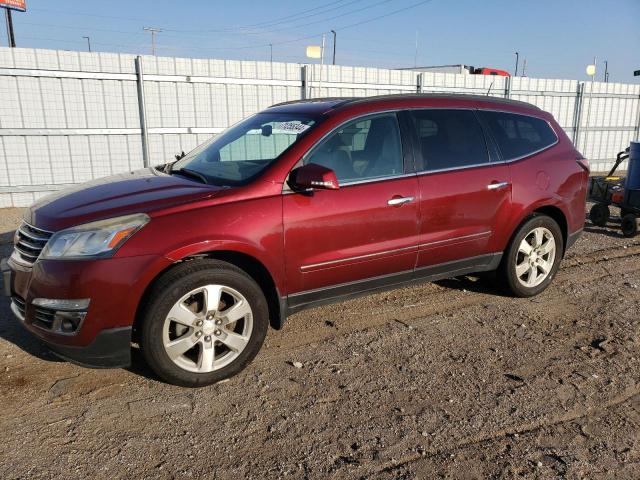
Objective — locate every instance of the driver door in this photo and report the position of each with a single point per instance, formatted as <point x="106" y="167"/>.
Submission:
<point x="363" y="235"/>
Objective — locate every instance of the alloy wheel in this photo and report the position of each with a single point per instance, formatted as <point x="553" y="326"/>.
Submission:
<point x="208" y="328"/>
<point x="535" y="257"/>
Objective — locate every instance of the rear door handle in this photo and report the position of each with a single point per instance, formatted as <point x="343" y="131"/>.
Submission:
<point x="497" y="185"/>
<point x="396" y="201"/>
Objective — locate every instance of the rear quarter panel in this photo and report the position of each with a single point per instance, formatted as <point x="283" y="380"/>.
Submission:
<point x="549" y="178"/>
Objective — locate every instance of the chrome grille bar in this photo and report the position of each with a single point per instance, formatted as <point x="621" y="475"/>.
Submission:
<point x="30" y="241"/>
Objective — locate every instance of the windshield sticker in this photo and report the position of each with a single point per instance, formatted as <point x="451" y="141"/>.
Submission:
<point x="295" y="127"/>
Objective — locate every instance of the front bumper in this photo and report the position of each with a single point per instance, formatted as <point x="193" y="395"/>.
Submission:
<point x="115" y="287"/>
<point x="110" y="349"/>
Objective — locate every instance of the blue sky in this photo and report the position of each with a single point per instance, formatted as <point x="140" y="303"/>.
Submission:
<point x="557" y="38"/>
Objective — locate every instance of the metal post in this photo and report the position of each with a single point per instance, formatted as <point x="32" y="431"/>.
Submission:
<point x="606" y="71"/>
<point x="88" y="43"/>
<point x="10" y="36"/>
<point x="334" y="46"/>
<point x="577" y="113"/>
<point x="517" y="58"/>
<point x="271" y="52"/>
<point x="637" y="132"/>
<point x="420" y="82"/>
<point x="586" y="132"/>
<point x="304" y="78"/>
<point x="142" y="112"/>
<point x="507" y="87"/>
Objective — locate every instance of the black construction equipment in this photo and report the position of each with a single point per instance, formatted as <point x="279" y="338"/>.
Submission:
<point x="622" y="192"/>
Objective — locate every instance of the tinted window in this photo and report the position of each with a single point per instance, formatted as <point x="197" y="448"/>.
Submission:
<point x="518" y="135"/>
<point x="363" y="149"/>
<point x="449" y="139"/>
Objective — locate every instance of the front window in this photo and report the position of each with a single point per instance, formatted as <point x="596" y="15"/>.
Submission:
<point x="245" y="150"/>
<point x="364" y="149"/>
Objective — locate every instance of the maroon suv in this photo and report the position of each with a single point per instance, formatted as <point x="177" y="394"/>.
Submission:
<point x="302" y="204"/>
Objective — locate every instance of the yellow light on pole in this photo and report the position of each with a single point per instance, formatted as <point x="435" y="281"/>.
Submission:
<point x="314" y="51"/>
<point x="591" y="70"/>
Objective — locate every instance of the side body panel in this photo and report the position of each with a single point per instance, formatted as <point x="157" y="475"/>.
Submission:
<point x="460" y="216"/>
<point x="338" y="236"/>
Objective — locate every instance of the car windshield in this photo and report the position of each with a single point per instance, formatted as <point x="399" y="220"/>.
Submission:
<point x="245" y="150"/>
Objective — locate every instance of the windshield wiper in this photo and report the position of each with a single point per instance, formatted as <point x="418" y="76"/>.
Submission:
<point x="190" y="173"/>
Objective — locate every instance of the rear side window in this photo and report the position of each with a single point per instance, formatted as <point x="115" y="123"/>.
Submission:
<point x="449" y="139"/>
<point x="518" y="135"/>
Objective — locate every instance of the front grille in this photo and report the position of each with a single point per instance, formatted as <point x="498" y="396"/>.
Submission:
<point x="29" y="243"/>
<point x="18" y="306"/>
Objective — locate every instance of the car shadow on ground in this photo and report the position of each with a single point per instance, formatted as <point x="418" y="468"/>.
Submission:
<point x="484" y="283"/>
<point x="13" y="332"/>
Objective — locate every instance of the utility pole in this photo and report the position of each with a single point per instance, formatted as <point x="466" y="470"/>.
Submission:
<point x="334" y="46"/>
<point x="88" y="43"/>
<point x="10" y="37"/>
<point x="517" y="58"/>
<point x="415" y="55"/>
<point x="153" y="31"/>
<point x="606" y="71"/>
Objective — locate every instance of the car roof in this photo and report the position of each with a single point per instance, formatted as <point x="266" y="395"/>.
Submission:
<point x="320" y="106"/>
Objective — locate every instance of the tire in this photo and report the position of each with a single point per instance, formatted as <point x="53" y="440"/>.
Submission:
<point x="179" y="313"/>
<point x="629" y="225"/>
<point x="529" y="284"/>
<point x="599" y="214"/>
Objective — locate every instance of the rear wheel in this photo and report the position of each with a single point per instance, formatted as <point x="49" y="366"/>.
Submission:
<point x="205" y="321"/>
<point x="533" y="257"/>
<point x="629" y="225"/>
<point x="599" y="214"/>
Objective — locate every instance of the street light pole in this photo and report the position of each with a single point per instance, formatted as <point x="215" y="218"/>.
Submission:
<point x="88" y="43"/>
<point x="334" y="46"/>
<point x="517" y="58"/>
<point x="11" y="38"/>
<point x="606" y="71"/>
<point x="153" y="37"/>
<point x="271" y="52"/>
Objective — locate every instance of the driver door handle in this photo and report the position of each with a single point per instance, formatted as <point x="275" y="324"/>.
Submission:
<point x="397" y="201"/>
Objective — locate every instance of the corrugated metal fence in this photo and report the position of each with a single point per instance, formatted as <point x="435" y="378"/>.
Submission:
<point x="67" y="117"/>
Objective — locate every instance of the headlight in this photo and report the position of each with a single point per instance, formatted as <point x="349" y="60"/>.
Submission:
<point x="95" y="239"/>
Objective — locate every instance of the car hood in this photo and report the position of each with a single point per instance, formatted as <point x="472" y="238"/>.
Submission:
<point x="140" y="191"/>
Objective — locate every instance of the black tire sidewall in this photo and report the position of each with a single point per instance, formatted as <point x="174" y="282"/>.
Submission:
<point x="629" y="225"/>
<point x="170" y="291"/>
<point x="599" y="214"/>
<point x="509" y="263"/>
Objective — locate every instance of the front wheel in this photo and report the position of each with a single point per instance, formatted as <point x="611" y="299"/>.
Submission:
<point x="533" y="257"/>
<point x="205" y="321"/>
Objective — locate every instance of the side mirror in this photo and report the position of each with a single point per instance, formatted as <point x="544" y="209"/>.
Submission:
<point x="313" y="177"/>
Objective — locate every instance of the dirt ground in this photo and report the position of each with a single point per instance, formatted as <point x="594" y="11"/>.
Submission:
<point x="449" y="379"/>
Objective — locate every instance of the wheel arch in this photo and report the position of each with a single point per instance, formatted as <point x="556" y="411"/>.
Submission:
<point x="552" y="211"/>
<point x="560" y="218"/>
<point x="248" y="263"/>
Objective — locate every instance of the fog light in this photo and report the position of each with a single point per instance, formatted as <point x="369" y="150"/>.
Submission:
<point x="68" y="322"/>
<point x="62" y="304"/>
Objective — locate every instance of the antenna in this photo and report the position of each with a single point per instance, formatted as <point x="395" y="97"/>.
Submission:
<point x="490" y="87"/>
